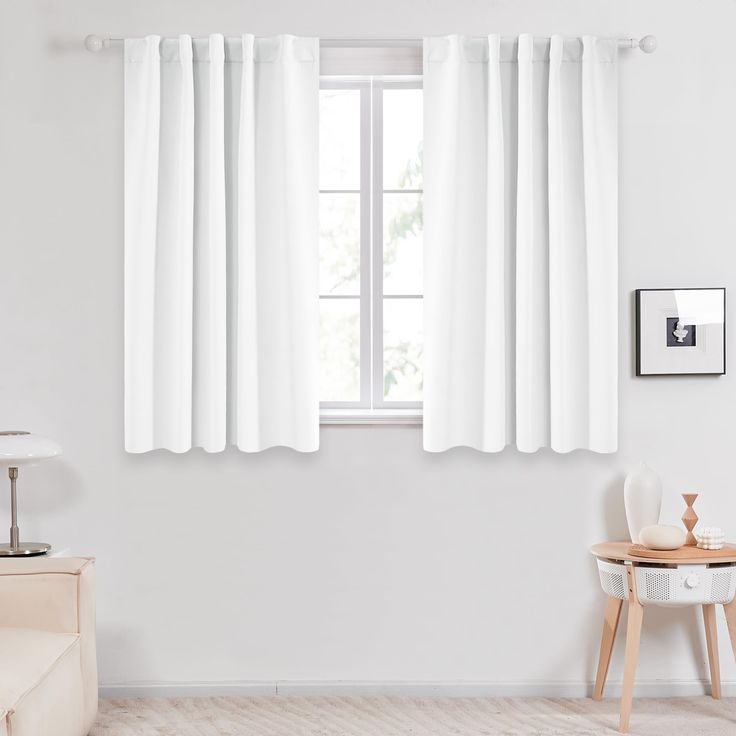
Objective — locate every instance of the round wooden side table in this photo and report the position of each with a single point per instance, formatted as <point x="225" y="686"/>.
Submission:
<point x="642" y="581"/>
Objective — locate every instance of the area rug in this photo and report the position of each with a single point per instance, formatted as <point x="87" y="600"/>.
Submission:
<point x="400" y="716"/>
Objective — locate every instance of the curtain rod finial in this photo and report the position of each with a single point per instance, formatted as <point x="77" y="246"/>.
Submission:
<point x="648" y="44"/>
<point x="94" y="43"/>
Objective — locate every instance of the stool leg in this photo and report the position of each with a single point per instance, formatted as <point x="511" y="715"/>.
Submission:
<point x="711" y="640"/>
<point x="730" y="610"/>
<point x="610" y="625"/>
<point x="633" y="635"/>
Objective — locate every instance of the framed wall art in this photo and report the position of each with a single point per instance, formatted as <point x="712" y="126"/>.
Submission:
<point x="680" y="332"/>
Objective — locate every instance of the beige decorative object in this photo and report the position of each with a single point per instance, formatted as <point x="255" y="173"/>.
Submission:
<point x="690" y="519"/>
<point x="662" y="536"/>
<point x="642" y="499"/>
<point x="711" y="537"/>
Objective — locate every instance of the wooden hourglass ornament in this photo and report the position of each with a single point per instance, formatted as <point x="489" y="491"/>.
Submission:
<point x="690" y="519"/>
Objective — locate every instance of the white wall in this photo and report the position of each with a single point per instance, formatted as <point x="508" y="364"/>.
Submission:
<point x="370" y="560"/>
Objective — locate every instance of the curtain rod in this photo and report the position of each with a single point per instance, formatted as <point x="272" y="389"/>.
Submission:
<point x="648" y="44"/>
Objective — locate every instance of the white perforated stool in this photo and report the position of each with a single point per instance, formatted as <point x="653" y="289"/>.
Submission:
<point x="703" y="579"/>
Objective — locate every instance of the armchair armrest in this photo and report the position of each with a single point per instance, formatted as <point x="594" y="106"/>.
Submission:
<point x="54" y="594"/>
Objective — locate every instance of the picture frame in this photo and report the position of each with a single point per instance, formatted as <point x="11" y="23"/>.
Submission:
<point x="681" y="332"/>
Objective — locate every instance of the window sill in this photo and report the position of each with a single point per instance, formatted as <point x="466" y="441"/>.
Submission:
<point x="376" y="417"/>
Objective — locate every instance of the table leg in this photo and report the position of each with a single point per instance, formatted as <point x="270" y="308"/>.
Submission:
<point x="633" y="635"/>
<point x="711" y="640"/>
<point x="730" y="611"/>
<point x="610" y="625"/>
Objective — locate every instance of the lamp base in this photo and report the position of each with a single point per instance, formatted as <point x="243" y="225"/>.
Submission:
<point x="24" y="549"/>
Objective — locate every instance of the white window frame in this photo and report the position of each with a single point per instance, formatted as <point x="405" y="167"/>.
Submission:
<point x="372" y="408"/>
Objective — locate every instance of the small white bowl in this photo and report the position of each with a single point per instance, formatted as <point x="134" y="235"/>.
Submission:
<point x="661" y="536"/>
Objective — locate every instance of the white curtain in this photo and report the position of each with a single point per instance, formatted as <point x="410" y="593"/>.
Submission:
<point x="521" y="283"/>
<point x="221" y="243"/>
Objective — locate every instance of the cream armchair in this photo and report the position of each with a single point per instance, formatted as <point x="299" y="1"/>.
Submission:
<point x="48" y="665"/>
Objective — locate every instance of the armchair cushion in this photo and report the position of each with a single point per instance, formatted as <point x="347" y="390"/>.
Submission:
<point x="40" y="687"/>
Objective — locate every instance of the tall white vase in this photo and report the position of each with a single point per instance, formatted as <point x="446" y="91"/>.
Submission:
<point x="643" y="499"/>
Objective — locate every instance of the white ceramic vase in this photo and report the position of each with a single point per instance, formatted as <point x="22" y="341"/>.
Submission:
<point x="642" y="498"/>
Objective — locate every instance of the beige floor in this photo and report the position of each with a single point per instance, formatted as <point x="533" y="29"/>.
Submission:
<point x="282" y="716"/>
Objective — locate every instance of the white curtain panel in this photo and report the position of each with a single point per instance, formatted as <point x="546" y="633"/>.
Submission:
<point x="520" y="232"/>
<point x="221" y="243"/>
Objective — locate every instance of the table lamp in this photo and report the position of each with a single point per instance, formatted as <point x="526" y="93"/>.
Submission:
<point x="16" y="449"/>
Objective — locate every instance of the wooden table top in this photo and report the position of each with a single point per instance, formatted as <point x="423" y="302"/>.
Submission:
<point x="620" y="551"/>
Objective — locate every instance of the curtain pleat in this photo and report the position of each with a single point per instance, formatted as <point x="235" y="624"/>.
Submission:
<point x="142" y="124"/>
<point x="532" y="260"/>
<point x="210" y="285"/>
<point x="174" y="252"/>
<point x="494" y="350"/>
<point x="600" y="131"/>
<point x="521" y="325"/>
<point x="247" y="407"/>
<point x="221" y="175"/>
<point x="278" y="311"/>
<point x="455" y="276"/>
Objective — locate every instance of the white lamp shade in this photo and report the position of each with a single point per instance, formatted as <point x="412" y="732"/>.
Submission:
<point x="24" y="448"/>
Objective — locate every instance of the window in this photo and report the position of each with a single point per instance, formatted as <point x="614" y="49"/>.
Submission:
<point x="371" y="249"/>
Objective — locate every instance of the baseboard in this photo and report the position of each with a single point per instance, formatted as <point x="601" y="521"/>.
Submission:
<point x="525" y="689"/>
<point x="187" y="689"/>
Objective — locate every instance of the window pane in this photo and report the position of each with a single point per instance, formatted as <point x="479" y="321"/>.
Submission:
<point x="402" y="244"/>
<point x="339" y="139"/>
<point x="339" y="350"/>
<point x="339" y="244"/>
<point x="402" y="349"/>
<point x="402" y="139"/>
